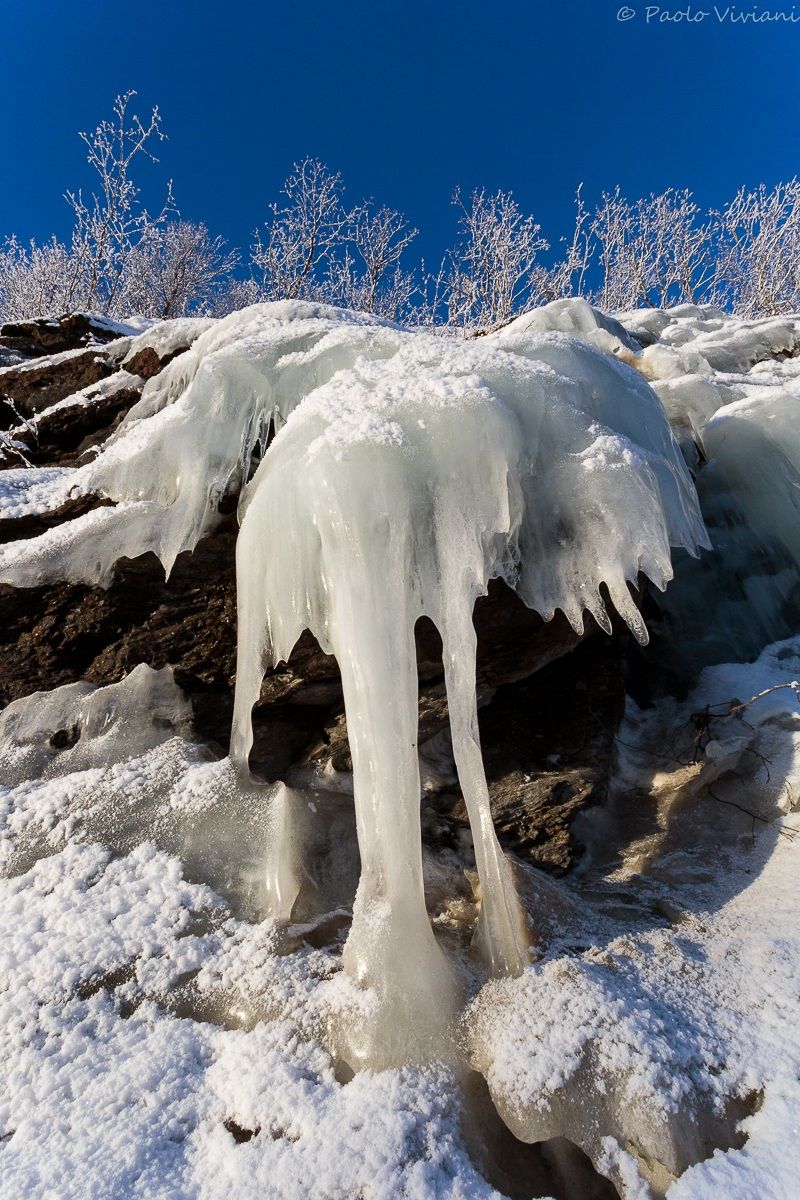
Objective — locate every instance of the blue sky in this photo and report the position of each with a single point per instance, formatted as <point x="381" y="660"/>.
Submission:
<point x="406" y="100"/>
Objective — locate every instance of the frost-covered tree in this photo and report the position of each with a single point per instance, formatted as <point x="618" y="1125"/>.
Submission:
<point x="758" y="256"/>
<point x="653" y="251"/>
<point x="493" y="270"/>
<point x="120" y="258"/>
<point x="567" y="276"/>
<point x="36" y="280"/>
<point x="112" y="222"/>
<point x="234" y="294"/>
<point x="294" y="251"/>
<point x="176" y="268"/>
<point x="658" y="250"/>
<point x="367" y="274"/>
<point x="314" y="248"/>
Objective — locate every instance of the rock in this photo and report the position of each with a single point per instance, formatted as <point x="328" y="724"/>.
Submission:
<point x="150" y="352"/>
<point x="53" y="335"/>
<point x="16" y="528"/>
<point x="547" y="744"/>
<point x="60" y="435"/>
<point x="147" y="363"/>
<point x="34" y="386"/>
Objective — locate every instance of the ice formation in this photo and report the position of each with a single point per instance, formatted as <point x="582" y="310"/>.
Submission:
<point x="80" y="725"/>
<point x="406" y="473"/>
<point x="731" y="389"/>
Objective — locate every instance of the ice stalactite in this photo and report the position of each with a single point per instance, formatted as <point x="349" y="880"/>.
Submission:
<point x="407" y="472"/>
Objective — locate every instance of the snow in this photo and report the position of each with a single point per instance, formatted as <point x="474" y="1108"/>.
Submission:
<point x="575" y="316"/>
<point x="109" y="1089"/>
<point x="132" y="325"/>
<point x="167" y="984"/>
<point x="170" y="337"/>
<point x="139" y="1012"/>
<point x="25" y="491"/>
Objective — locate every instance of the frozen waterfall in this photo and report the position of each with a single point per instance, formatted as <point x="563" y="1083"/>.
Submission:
<point x="406" y="472"/>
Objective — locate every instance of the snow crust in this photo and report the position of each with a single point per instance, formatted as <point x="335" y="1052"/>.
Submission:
<point x="28" y="490"/>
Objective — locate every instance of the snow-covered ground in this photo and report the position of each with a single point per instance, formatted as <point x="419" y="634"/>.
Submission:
<point x="162" y="1038"/>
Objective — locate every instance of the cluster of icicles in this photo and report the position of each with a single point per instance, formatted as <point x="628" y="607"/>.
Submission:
<point x="406" y="472"/>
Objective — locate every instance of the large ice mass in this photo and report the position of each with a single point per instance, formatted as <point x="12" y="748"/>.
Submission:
<point x="176" y="914"/>
<point x="407" y="471"/>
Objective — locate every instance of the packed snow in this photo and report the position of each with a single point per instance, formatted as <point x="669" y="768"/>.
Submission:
<point x="179" y="1019"/>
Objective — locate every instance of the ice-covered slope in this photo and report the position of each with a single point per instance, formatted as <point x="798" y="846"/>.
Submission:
<point x="407" y="472"/>
<point x="156" y="1039"/>
<point x="731" y="390"/>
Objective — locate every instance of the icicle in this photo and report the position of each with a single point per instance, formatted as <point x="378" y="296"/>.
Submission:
<point x="410" y="470"/>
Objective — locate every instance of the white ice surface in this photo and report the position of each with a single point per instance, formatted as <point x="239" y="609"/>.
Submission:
<point x="139" y="1013"/>
<point x="406" y="473"/>
<point x="668" y="988"/>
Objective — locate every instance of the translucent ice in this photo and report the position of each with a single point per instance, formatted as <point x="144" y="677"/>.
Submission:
<point x="407" y="472"/>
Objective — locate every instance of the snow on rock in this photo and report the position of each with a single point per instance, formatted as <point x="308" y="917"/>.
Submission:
<point x="661" y="1037"/>
<point x="731" y="390"/>
<point x="162" y="342"/>
<point x="28" y="490"/>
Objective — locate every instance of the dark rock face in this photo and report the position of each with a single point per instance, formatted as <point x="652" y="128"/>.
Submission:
<point x="53" y="335"/>
<point x="547" y="744"/>
<point x="550" y="702"/>
<point x="147" y="362"/>
<point x="543" y="702"/>
<point x="34" y="386"/>
<point x="60" y="436"/>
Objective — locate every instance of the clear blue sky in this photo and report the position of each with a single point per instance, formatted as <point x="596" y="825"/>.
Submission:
<point x="407" y="100"/>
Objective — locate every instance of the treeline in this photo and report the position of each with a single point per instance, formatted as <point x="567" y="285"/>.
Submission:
<point x="659" y="250"/>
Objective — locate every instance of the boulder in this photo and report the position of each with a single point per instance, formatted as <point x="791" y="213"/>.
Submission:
<point x="53" y="335"/>
<point x="36" y="385"/>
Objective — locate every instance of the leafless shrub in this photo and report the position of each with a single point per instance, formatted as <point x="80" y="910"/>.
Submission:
<point x="37" y="280"/>
<point x="493" y="268"/>
<point x="175" y="268"/>
<point x="658" y="250"/>
<point x="367" y="274"/>
<point x="120" y="257"/>
<point x="567" y="275"/>
<point x="111" y="224"/>
<point x="294" y="251"/>
<point x="758" y="257"/>
<point x="654" y="251"/>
